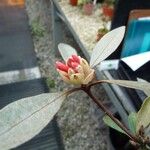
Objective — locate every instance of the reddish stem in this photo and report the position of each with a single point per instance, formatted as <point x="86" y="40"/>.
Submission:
<point x="87" y="90"/>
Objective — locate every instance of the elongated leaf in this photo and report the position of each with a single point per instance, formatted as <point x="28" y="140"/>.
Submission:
<point x="141" y="80"/>
<point x="112" y="124"/>
<point x="66" y="51"/>
<point x="23" y="119"/>
<point x="143" y="115"/>
<point x="132" y="119"/>
<point x="107" y="45"/>
<point x="147" y="147"/>
<point x="144" y="86"/>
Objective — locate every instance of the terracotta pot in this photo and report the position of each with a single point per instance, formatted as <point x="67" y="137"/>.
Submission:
<point x="108" y="11"/>
<point x="74" y="2"/>
<point x="88" y="8"/>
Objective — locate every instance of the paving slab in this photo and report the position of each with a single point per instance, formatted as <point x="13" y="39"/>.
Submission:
<point x="16" y="46"/>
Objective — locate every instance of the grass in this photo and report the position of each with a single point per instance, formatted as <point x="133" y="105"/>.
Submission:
<point x="37" y="29"/>
<point x="50" y="83"/>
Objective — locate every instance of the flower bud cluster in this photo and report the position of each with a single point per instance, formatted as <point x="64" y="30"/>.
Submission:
<point x="76" y="70"/>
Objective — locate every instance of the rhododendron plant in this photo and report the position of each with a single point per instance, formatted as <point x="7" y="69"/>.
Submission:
<point x="76" y="71"/>
<point x="17" y="128"/>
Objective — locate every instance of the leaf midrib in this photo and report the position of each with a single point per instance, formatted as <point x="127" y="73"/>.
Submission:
<point x="104" y="50"/>
<point x="9" y="129"/>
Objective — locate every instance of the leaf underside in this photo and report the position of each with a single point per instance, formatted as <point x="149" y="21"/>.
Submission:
<point x="66" y="51"/>
<point x="144" y="86"/>
<point x="107" y="45"/>
<point x="25" y="118"/>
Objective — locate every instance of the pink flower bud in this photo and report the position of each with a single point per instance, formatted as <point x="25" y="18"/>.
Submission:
<point x="76" y="71"/>
<point x="76" y="58"/>
<point x="61" y="66"/>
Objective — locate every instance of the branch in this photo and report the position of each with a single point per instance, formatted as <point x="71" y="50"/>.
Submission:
<point x="106" y="111"/>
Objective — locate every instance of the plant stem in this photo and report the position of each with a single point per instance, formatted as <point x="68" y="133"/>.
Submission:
<point x="97" y="82"/>
<point x="73" y="90"/>
<point x="87" y="90"/>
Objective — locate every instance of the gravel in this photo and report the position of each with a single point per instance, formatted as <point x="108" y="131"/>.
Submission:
<point x="79" y="120"/>
<point x="85" y="26"/>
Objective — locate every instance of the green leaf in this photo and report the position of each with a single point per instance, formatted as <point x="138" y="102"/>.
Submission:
<point x="66" y="51"/>
<point x="132" y="119"/>
<point x="147" y="130"/>
<point x="143" y="115"/>
<point x="107" y="45"/>
<point x="144" y="86"/>
<point x="112" y="124"/>
<point x="147" y="147"/>
<point x="23" y="119"/>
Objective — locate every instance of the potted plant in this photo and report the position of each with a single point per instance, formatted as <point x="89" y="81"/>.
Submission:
<point x="101" y="32"/>
<point x="108" y="8"/>
<point x="87" y="6"/>
<point x="73" y="2"/>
